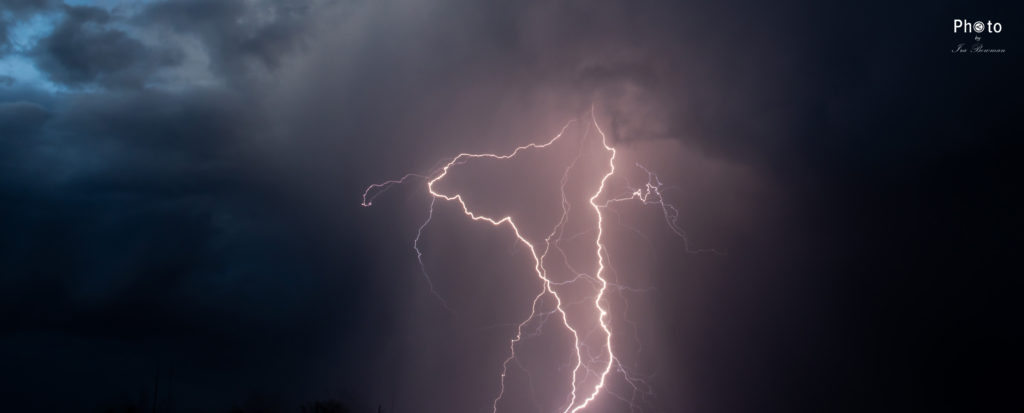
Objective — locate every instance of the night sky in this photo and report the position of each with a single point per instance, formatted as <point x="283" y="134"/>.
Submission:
<point x="180" y="188"/>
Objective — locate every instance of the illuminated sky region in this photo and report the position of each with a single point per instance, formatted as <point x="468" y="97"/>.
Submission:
<point x="562" y="225"/>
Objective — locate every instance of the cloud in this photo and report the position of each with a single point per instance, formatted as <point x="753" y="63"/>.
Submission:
<point x="11" y="11"/>
<point x="22" y="6"/>
<point x="4" y="37"/>
<point x="83" y="49"/>
<point x="21" y="117"/>
<point x="236" y="34"/>
<point x="169" y="230"/>
<point x="172" y="44"/>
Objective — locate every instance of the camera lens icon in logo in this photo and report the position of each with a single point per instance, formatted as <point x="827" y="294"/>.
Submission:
<point x="979" y="27"/>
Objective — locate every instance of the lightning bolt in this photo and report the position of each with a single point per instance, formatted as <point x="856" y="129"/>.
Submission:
<point x="651" y="193"/>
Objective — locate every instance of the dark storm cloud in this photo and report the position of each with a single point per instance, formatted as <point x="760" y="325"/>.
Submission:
<point x="141" y="224"/>
<point x="12" y="10"/>
<point x="93" y="46"/>
<point x="236" y="33"/>
<point x="19" y="6"/>
<point x="141" y="217"/>
<point x="20" y="118"/>
<point x="659" y="71"/>
<point x="83" y="49"/>
<point x="3" y="37"/>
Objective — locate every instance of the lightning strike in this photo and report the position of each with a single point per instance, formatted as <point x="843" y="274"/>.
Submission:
<point x="651" y="193"/>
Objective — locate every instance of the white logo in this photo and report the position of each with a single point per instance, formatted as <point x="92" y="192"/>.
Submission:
<point x="965" y="26"/>
<point x="975" y="30"/>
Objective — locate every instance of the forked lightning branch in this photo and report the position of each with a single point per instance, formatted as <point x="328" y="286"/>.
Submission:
<point x="586" y="362"/>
